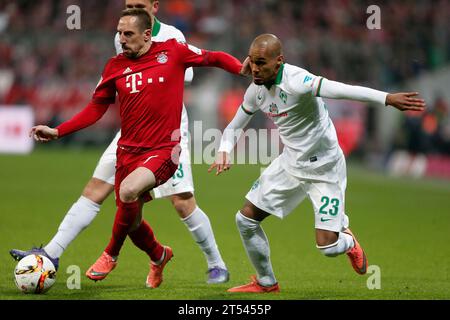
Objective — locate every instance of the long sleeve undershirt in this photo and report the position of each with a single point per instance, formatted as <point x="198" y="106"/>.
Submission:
<point x="337" y="90"/>
<point x="326" y="88"/>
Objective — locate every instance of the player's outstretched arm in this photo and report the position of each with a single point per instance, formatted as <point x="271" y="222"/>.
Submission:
<point x="225" y="61"/>
<point x="42" y="133"/>
<point x="404" y="101"/>
<point x="86" y="117"/>
<point x="337" y="90"/>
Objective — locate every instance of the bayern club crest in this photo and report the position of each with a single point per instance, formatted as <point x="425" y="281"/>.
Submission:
<point x="162" y="58"/>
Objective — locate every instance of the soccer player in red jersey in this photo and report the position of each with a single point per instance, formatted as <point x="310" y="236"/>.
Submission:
<point x="179" y="190"/>
<point x="149" y="81"/>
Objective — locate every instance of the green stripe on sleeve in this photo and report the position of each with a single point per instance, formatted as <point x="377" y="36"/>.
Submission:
<point x="246" y="111"/>
<point x="318" y="88"/>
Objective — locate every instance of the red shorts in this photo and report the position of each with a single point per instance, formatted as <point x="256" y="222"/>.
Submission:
<point x="162" y="162"/>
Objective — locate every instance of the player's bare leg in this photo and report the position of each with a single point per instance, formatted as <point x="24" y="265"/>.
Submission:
<point x="200" y="228"/>
<point x="257" y="247"/>
<point x="332" y="244"/>
<point x="97" y="190"/>
<point x="135" y="184"/>
<point x="184" y="203"/>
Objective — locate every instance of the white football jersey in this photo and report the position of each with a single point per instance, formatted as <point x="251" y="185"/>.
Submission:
<point x="162" y="32"/>
<point x="293" y="103"/>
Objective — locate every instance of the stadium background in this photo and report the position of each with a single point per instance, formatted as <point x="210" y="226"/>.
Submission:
<point x="399" y="164"/>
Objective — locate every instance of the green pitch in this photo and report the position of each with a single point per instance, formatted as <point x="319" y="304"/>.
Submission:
<point x="403" y="224"/>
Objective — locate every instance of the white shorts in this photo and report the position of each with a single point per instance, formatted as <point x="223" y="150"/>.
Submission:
<point x="180" y="182"/>
<point x="278" y="192"/>
<point x="106" y="166"/>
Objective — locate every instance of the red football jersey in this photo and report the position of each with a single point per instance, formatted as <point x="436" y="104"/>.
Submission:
<point x="150" y="90"/>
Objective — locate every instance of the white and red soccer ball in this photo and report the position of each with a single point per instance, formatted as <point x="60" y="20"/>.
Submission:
<point x="34" y="274"/>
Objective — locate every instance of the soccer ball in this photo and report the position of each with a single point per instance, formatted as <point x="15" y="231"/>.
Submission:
<point x="34" y="274"/>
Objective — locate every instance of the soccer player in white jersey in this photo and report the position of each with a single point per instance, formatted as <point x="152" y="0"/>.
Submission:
<point x="311" y="165"/>
<point x="180" y="188"/>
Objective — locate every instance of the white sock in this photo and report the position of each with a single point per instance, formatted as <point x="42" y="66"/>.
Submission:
<point x="200" y="227"/>
<point x="257" y="247"/>
<point x="79" y="216"/>
<point x="344" y="242"/>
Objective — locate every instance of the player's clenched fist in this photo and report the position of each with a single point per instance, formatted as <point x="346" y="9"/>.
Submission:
<point x="43" y="133"/>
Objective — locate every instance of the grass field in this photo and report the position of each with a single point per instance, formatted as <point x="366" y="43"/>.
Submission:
<point x="403" y="224"/>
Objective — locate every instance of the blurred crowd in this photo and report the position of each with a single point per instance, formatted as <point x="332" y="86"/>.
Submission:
<point x="44" y="64"/>
<point x="428" y="132"/>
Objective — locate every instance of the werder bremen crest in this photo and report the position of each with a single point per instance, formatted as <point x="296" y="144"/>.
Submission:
<point x="273" y="108"/>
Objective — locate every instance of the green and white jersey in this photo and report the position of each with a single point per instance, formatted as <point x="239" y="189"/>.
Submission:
<point x="293" y="103"/>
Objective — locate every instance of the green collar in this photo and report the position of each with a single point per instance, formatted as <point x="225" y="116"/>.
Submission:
<point x="279" y="74"/>
<point x="156" y="27"/>
<point x="277" y="79"/>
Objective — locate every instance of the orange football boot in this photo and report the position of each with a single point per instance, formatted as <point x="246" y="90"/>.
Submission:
<point x="357" y="256"/>
<point x="255" y="287"/>
<point x="155" y="276"/>
<point x="102" y="267"/>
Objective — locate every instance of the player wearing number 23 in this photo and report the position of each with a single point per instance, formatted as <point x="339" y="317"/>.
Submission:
<point x="312" y="163"/>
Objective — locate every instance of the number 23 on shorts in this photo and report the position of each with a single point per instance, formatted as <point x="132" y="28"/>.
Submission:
<point x="329" y="206"/>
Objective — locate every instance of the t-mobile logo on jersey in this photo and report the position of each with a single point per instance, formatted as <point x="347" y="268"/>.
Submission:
<point x="134" y="80"/>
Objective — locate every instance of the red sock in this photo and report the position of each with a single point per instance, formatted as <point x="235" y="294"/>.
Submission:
<point x="144" y="238"/>
<point x="125" y="216"/>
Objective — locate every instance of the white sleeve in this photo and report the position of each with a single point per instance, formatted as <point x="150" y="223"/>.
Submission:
<point x="177" y="35"/>
<point x="249" y="104"/>
<point x="302" y="82"/>
<point x="234" y="130"/>
<point x="117" y="45"/>
<point x="337" y="90"/>
<point x="188" y="75"/>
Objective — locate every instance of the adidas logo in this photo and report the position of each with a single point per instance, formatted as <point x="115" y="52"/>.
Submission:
<point x="127" y="70"/>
